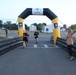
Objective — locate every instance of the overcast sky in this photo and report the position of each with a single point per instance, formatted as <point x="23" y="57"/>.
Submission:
<point x="64" y="9"/>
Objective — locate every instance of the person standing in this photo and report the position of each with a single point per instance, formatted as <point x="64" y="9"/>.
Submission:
<point x="69" y="42"/>
<point x="25" y="39"/>
<point x="36" y="33"/>
<point x="6" y="31"/>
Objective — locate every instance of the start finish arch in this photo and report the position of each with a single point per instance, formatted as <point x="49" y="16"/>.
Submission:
<point x="38" y="11"/>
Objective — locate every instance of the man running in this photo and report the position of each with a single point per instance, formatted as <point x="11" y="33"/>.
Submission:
<point x="25" y="39"/>
<point x="36" y="33"/>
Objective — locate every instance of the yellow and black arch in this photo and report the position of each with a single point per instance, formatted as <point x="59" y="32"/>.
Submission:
<point x="44" y="11"/>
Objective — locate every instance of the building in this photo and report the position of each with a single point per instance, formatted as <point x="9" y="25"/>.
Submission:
<point x="48" y="28"/>
<point x="32" y="28"/>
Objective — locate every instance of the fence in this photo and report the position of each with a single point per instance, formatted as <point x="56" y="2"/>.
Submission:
<point x="9" y="44"/>
<point x="62" y="43"/>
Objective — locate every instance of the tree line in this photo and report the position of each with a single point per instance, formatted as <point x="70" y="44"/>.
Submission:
<point x="8" y="25"/>
<point x="39" y="26"/>
<point x="73" y="26"/>
<point x="13" y="26"/>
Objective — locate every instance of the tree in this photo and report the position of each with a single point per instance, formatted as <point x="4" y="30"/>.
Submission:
<point x="7" y="25"/>
<point x="1" y="23"/>
<point x="73" y="26"/>
<point x="35" y="24"/>
<point x="11" y="26"/>
<point x="44" y="24"/>
<point x="40" y="26"/>
<point x="26" y="27"/>
<point x="8" y="22"/>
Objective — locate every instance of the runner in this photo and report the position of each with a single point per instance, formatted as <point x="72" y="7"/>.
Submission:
<point x="6" y="30"/>
<point x="36" y="33"/>
<point x="25" y="39"/>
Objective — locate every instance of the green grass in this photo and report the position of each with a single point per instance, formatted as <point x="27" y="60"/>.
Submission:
<point x="1" y="37"/>
<point x="74" y="39"/>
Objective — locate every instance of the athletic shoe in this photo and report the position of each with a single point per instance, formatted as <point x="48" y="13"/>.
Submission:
<point x="71" y="58"/>
<point x="23" y="46"/>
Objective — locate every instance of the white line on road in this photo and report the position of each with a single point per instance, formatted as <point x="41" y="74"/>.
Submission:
<point x="41" y="47"/>
<point x="35" y="46"/>
<point x="45" y="46"/>
<point x="56" y="46"/>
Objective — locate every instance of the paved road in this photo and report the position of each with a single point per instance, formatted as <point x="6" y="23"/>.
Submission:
<point x="41" y="59"/>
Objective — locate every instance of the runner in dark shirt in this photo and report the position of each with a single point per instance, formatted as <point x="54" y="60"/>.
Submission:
<point x="36" y="33"/>
<point x="25" y="39"/>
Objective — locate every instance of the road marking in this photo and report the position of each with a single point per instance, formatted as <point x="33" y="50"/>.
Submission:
<point x="41" y="46"/>
<point x="56" y="46"/>
<point x="35" y="46"/>
<point x="45" y="46"/>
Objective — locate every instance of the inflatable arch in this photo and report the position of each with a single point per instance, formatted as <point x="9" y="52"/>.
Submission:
<point x="38" y="11"/>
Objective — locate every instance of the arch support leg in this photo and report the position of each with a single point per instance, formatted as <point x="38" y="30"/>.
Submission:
<point x="56" y="33"/>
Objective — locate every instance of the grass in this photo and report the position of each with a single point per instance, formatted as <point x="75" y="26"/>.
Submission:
<point x="1" y="37"/>
<point x="74" y="39"/>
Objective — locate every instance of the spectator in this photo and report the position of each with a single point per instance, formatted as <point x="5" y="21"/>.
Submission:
<point x="69" y="42"/>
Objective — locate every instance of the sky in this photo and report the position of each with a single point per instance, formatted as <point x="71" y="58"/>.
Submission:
<point x="64" y="9"/>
